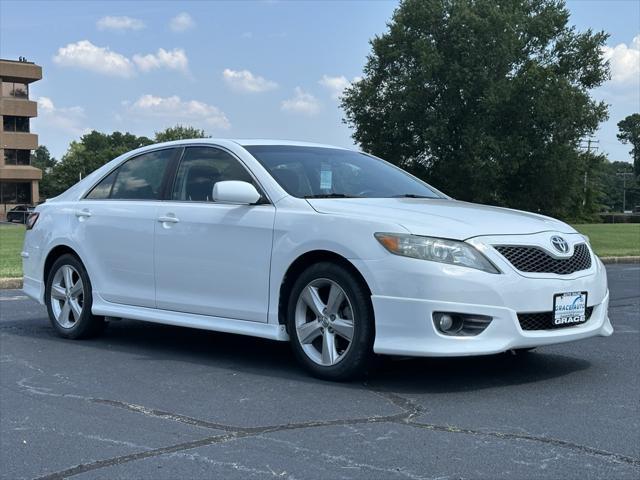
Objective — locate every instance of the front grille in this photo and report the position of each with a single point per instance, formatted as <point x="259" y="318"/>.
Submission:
<point x="536" y="260"/>
<point x="544" y="320"/>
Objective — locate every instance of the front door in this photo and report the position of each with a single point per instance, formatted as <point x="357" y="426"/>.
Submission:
<point x="212" y="258"/>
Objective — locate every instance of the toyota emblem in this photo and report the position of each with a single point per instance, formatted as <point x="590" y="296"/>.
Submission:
<point x="560" y="244"/>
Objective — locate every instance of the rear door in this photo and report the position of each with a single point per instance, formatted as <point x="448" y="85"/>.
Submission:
<point x="115" y="224"/>
<point x="212" y="258"/>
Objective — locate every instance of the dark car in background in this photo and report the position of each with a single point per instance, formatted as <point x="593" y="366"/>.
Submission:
<point x="19" y="213"/>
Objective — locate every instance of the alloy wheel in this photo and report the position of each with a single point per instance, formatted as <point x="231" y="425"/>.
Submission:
<point x="67" y="296"/>
<point x="324" y="322"/>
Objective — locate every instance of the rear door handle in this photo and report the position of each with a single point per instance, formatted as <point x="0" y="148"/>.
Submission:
<point x="168" y="219"/>
<point x="84" y="213"/>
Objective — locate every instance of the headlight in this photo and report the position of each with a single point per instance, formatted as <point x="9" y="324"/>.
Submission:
<point x="436" y="250"/>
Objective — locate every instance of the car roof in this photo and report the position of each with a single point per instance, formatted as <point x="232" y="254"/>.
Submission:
<point x="245" y="142"/>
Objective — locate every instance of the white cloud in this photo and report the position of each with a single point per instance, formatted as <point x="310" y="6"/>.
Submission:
<point x="175" y="59"/>
<point x="245" y="81"/>
<point x="336" y="85"/>
<point x="301" y="102"/>
<point x="84" y="54"/>
<point x="624" y="61"/>
<point x="71" y="119"/>
<point x="119" y="23"/>
<point x="175" y="109"/>
<point x="182" y="22"/>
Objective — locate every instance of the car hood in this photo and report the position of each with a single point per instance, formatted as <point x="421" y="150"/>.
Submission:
<point x="442" y="217"/>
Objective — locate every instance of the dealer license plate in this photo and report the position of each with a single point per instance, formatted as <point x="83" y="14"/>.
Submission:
<point x="569" y="308"/>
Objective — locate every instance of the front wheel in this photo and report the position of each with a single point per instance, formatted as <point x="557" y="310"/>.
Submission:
<point x="330" y="322"/>
<point x="69" y="298"/>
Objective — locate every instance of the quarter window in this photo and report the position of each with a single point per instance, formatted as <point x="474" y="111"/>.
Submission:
<point x="103" y="189"/>
<point x="201" y="168"/>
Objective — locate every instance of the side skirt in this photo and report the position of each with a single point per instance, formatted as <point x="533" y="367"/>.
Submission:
<point x="190" y="320"/>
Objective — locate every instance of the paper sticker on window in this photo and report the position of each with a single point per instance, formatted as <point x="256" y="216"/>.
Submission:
<point x="325" y="179"/>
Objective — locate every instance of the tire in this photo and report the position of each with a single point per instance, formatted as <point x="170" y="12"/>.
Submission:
<point x="327" y="305"/>
<point x="69" y="307"/>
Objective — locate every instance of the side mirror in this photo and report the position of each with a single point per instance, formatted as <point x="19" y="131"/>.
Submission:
<point x="236" y="192"/>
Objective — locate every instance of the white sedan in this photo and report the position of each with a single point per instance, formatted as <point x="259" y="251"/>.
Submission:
<point x="340" y="253"/>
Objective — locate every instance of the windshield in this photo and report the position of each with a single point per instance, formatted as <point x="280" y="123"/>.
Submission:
<point x="317" y="172"/>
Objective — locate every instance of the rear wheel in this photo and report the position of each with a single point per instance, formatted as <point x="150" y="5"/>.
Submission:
<point x="69" y="299"/>
<point x="330" y="322"/>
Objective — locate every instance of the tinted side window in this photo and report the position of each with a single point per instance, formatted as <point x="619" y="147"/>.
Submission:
<point x="201" y="168"/>
<point x="103" y="189"/>
<point x="141" y="177"/>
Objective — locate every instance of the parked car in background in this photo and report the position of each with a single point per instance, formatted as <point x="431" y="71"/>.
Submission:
<point x="338" y="252"/>
<point x="19" y="213"/>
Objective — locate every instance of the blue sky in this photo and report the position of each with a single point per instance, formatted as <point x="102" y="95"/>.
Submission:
<point x="237" y="69"/>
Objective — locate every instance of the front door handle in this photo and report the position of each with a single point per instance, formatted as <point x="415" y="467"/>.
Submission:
<point x="168" y="219"/>
<point x="84" y="213"/>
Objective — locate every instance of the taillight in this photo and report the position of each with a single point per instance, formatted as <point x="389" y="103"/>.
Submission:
<point x="32" y="219"/>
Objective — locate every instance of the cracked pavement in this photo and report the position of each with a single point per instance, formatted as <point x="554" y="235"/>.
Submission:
<point x="153" y="401"/>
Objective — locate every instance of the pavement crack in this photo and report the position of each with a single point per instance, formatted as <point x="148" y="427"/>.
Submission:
<point x="176" y="417"/>
<point x="406" y="417"/>
<point x="110" y="462"/>
<point x="532" y="438"/>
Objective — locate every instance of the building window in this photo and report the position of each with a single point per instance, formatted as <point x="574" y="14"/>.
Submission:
<point x="15" y="89"/>
<point x="15" y="124"/>
<point x="15" y="192"/>
<point x="17" y="157"/>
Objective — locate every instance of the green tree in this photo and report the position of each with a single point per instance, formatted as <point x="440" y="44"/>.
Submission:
<point x="629" y="132"/>
<point x="179" y="132"/>
<point x="42" y="159"/>
<point x="91" y="152"/>
<point x="485" y="99"/>
<point x="612" y="185"/>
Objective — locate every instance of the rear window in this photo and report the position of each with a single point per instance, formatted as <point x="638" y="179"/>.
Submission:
<point x="137" y="179"/>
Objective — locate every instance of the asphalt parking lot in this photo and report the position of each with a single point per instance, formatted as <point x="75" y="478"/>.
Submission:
<point x="152" y="401"/>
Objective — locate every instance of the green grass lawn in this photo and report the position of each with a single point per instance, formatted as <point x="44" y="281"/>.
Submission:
<point x="11" y="237"/>
<point x="608" y="240"/>
<point x="613" y="240"/>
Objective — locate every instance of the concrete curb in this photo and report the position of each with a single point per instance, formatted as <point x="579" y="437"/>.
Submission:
<point x="10" y="283"/>
<point x="614" y="260"/>
<point x="16" y="283"/>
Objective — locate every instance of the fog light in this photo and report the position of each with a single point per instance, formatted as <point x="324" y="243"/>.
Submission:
<point x="460" y="324"/>
<point x="446" y="322"/>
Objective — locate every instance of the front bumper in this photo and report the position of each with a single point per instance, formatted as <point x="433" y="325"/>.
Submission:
<point x="404" y="327"/>
<point x="406" y="292"/>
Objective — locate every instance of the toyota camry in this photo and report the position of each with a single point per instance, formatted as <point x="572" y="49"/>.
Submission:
<point x="336" y="251"/>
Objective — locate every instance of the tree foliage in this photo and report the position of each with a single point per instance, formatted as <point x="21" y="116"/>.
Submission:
<point x="613" y="185"/>
<point x="179" y="132"/>
<point x="41" y="158"/>
<point x="485" y="99"/>
<point x="629" y="132"/>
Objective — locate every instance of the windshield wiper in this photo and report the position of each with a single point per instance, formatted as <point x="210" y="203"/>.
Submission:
<point x="411" y="195"/>
<point x="331" y="195"/>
